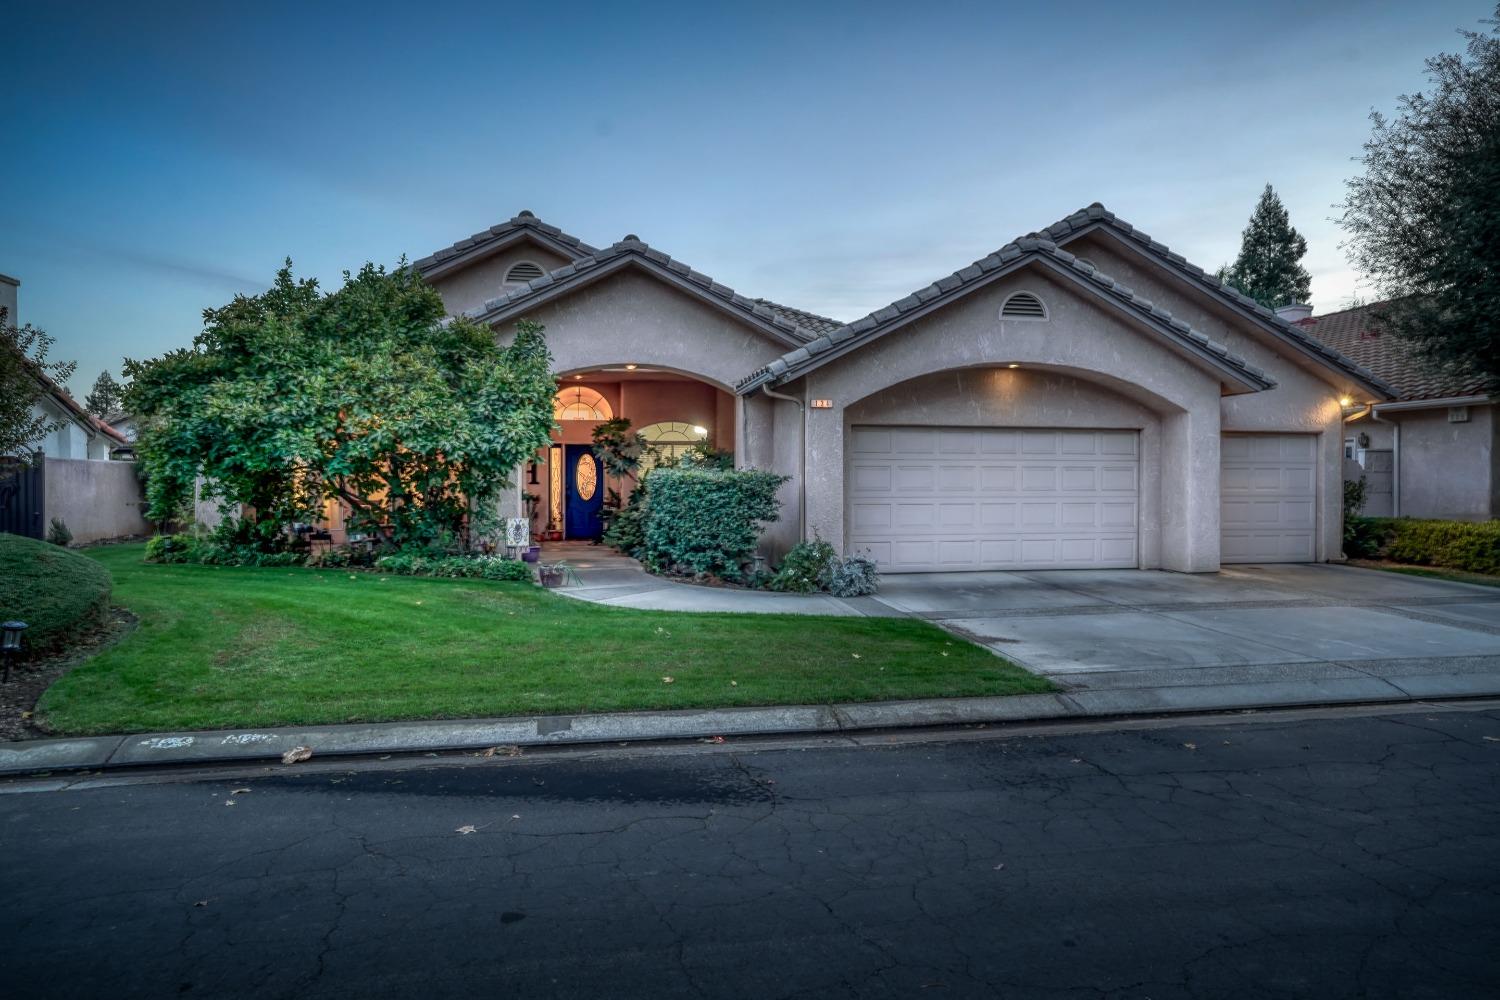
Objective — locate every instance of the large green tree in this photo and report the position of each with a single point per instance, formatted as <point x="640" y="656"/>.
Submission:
<point x="1423" y="220"/>
<point x="368" y="395"/>
<point x="1268" y="268"/>
<point x="24" y="362"/>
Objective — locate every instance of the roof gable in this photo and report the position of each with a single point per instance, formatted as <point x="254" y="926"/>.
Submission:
<point x="1029" y="251"/>
<point x="631" y="252"/>
<point x="523" y="227"/>
<point x="1096" y="217"/>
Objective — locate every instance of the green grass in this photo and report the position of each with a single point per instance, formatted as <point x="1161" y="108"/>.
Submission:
<point x="57" y="593"/>
<point x="229" y="647"/>
<point x="1456" y="576"/>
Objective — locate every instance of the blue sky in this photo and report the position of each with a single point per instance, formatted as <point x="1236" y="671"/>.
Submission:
<point x="831" y="156"/>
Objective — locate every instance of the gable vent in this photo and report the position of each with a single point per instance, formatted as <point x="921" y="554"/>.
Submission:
<point x="523" y="272"/>
<point x="1023" y="305"/>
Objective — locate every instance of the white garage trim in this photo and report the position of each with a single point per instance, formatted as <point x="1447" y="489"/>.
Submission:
<point x="1268" y="498"/>
<point x="925" y="499"/>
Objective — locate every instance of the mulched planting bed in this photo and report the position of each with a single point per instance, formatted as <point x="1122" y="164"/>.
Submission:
<point x="30" y="677"/>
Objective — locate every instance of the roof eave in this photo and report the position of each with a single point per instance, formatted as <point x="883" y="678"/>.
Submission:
<point x="513" y="307"/>
<point x="1233" y="375"/>
<point x="1164" y="260"/>
<point x="501" y="242"/>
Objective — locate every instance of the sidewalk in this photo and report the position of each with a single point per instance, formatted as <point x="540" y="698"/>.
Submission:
<point x="1147" y="693"/>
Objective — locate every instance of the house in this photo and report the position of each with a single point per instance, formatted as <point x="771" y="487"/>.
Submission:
<point x="1081" y="397"/>
<point x="1430" y="451"/>
<point x="77" y="481"/>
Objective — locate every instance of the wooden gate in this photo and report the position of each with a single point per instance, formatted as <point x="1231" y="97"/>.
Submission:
<point x="22" y="490"/>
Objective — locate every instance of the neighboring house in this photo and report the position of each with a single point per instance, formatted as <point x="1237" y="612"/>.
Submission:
<point x="95" y="497"/>
<point x="1082" y="397"/>
<point x="1431" y="451"/>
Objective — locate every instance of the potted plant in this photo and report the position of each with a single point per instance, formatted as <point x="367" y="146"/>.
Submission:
<point x="531" y="553"/>
<point x="556" y="574"/>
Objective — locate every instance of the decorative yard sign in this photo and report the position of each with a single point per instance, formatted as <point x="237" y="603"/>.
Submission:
<point x="518" y="532"/>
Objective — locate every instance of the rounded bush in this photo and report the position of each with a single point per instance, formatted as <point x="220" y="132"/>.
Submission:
<point x="59" y="594"/>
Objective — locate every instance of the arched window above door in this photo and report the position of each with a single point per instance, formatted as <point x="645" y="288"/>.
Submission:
<point x="670" y="439"/>
<point x="579" y="402"/>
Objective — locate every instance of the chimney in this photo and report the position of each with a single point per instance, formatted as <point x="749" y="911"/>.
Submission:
<point x="8" y="299"/>
<point x="1294" y="312"/>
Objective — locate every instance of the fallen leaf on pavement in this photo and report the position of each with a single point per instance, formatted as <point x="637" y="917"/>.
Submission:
<point x="467" y="828"/>
<point x="1191" y="746"/>
<point x="239" y="791"/>
<point x="1493" y="739"/>
<point x="229" y="802"/>
<point x="201" y="902"/>
<point x="296" y="755"/>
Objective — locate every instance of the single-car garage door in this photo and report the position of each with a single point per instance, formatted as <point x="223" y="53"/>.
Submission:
<point x="961" y="498"/>
<point x="1267" y="498"/>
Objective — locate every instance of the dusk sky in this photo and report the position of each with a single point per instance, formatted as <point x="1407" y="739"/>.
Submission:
<point x="160" y="158"/>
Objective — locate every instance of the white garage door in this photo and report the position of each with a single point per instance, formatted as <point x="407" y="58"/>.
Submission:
<point x="956" y="498"/>
<point x="1266" y="498"/>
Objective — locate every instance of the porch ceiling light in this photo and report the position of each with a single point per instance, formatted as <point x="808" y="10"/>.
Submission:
<point x="577" y="377"/>
<point x="630" y="368"/>
<point x="1012" y="366"/>
<point x="1345" y="401"/>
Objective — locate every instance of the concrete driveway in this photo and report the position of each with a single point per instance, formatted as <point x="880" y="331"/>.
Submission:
<point x="1102" y="629"/>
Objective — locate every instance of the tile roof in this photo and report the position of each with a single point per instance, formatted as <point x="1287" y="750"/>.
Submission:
<point x="781" y="322"/>
<point x="479" y="243"/>
<point x="1008" y="258"/>
<point x="1096" y="215"/>
<point x="803" y="318"/>
<point x="1357" y="333"/>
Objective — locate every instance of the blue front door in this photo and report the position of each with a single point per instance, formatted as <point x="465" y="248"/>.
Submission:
<point x="585" y="486"/>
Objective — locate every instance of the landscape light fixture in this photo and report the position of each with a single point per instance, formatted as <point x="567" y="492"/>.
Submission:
<point x="10" y="643"/>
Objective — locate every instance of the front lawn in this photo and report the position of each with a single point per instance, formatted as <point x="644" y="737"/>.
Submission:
<point x="228" y="647"/>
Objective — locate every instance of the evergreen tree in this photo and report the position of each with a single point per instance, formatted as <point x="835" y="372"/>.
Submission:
<point x="106" y="396"/>
<point x="1267" y="268"/>
<point x="1424" y="217"/>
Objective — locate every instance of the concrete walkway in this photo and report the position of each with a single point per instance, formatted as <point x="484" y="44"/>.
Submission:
<point x="607" y="577"/>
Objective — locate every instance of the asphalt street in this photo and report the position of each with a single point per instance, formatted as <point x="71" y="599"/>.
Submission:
<point x="1346" y="855"/>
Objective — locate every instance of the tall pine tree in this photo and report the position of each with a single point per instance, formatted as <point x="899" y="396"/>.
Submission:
<point x="106" y="395"/>
<point x="1268" y="268"/>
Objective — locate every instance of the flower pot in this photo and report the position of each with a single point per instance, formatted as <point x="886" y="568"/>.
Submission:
<point x="532" y="554"/>
<point x="551" y="577"/>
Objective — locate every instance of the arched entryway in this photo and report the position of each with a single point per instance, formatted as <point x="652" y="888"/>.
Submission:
<point x="567" y="493"/>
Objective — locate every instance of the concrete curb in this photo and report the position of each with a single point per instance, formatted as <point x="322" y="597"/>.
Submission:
<point x="267" y="745"/>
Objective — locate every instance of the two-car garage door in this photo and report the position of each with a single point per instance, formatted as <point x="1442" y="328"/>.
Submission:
<point x="977" y="498"/>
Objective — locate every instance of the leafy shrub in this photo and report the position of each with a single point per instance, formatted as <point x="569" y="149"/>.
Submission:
<point x="627" y="529"/>
<point x="172" y="549"/>
<point x="815" y="566"/>
<point x="342" y="556"/>
<point x="1470" y="546"/>
<point x="707" y="521"/>
<point x="58" y="533"/>
<point x="455" y="567"/>
<point x="804" y="570"/>
<point x="855" y="576"/>
<point x="1355" y="491"/>
<point x="57" y="593"/>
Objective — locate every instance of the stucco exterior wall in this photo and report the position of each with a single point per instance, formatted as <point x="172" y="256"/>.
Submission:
<point x="1447" y="470"/>
<point x="472" y="286"/>
<point x="1082" y="341"/>
<point x="1306" y="397"/>
<point x="96" y="500"/>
